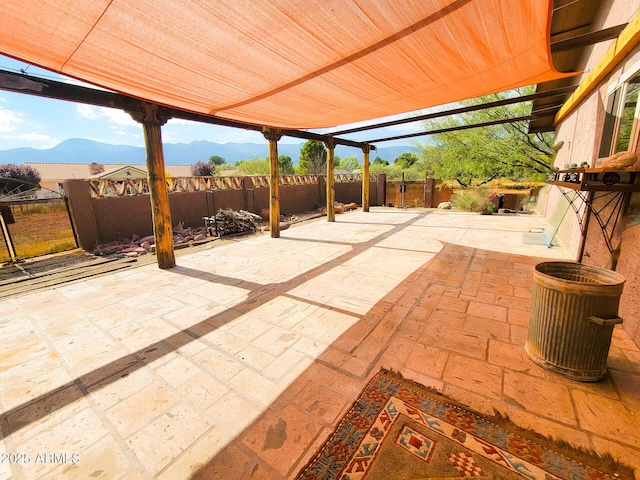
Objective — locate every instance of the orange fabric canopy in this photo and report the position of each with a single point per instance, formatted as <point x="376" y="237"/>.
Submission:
<point x="287" y="63"/>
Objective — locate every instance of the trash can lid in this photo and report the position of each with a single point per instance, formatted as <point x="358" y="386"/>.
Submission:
<point x="576" y="275"/>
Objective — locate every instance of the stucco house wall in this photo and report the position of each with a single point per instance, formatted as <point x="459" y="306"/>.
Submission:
<point x="582" y="131"/>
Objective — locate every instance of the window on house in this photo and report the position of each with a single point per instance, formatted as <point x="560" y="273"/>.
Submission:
<point x="621" y="122"/>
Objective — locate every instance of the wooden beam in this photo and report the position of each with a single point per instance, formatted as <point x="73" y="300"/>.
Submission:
<point x="587" y="38"/>
<point x="365" y="180"/>
<point x="274" y="181"/>
<point x="161" y="212"/>
<point x="331" y="179"/>
<point x="459" y="127"/>
<point x="456" y="111"/>
<point x="40" y="87"/>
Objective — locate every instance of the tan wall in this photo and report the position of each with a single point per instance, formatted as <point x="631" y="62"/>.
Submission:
<point x="101" y="220"/>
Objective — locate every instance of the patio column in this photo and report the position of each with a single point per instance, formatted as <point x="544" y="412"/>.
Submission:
<point x="159" y="195"/>
<point x="273" y="136"/>
<point x="331" y="180"/>
<point x="365" y="178"/>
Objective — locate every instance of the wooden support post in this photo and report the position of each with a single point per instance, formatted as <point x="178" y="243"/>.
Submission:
<point x="162" y="228"/>
<point x="331" y="180"/>
<point x="274" y="181"/>
<point x="365" y="179"/>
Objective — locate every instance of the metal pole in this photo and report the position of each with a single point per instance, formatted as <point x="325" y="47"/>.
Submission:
<point x="402" y="187"/>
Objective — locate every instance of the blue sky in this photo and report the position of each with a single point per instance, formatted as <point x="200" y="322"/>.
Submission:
<point x="29" y="121"/>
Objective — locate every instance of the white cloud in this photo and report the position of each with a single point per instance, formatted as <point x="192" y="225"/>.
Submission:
<point x="10" y="120"/>
<point x="119" y="117"/>
<point x="88" y="112"/>
<point x="34" y="140"/>
<point x="113" y="116"/>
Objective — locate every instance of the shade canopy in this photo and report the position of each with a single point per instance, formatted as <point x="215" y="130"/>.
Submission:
<point x="287" y="63"/>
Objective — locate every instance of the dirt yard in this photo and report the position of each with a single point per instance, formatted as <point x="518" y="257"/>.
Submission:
<point x="39" y="229"/>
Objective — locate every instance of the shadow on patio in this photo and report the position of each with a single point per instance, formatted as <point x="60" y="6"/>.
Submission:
<point x="241" y="359"/>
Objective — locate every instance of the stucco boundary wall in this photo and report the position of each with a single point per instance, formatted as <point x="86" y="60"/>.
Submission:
<point x="102" y="219"/>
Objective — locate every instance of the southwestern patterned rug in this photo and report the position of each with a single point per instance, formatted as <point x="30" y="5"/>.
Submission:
<point x="400" y="430"/>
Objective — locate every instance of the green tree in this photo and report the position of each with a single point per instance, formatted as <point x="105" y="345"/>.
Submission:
<point x="285" y="165"/>
<point x="350" y="163"/>
<point x="216" y="160"/>
<point x="406" y="160"/>
<point x="379" y="161"/>
<point x="475" y="156"/>
<point x="254" y="166"/>
<point x="313" y="157"/>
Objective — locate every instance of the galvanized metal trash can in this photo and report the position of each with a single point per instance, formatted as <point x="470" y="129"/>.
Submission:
<point x="574" y="309"/>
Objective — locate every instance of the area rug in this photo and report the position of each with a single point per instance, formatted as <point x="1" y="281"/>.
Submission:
<point x="400" y="430"/>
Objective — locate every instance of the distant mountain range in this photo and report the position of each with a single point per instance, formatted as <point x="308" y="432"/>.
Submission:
<point x="78" y="150"/>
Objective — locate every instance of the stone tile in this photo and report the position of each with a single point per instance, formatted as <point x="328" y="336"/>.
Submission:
<point x="519" y="334"/>
<point x="281" y="438"/>
<point x="518" y="317"/>
<point x="628" y="384"/>
<point x="513" y="302"/>
<point x="231" y="463"/>
<point x="428" y="360"/>
<point x="452" y="303"/>
<point x="276" y="340"/>
<point x="486" y="310"/>
<point x="70" y="436"/>
<point x="141" y="408"/>
<point x="116" y="388"/>
<point x="175" y="430"/>
<point x="486" y="328"/>
<point x="255" y="386"/>
<point x="254" y="357"/>
<point x="45" y="412"/>
<point x="620" y="453"/>
<point x="475" y="401"/>
<point x="196" y="457"/>
<point x="522" y="292"/>
<point x="508" y="355"/>
<point x="233" y="412"/>
<point x="463" y="342"/>
<point x="203" y="389"/>
<point x="608" y="418"/>
<point x="448" y="319"/>
<point x="320" y="402"/>
<point x="497" y="288"/>
<point x="25" y="391"/>
<point x="221" y="365"/>
<point x="548" y="428"/>
<point x="474" y="375"/>
<point x="102" y="460"/>
<point x="539" y="396"/>
<point x="177" y="371"/>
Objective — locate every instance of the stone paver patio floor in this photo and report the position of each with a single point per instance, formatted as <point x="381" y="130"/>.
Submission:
<point x="240" y="360"/>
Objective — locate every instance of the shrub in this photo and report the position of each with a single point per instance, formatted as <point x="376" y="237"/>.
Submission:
<point x="201" y="169"/>
<point x="18" y="178"/>
<point x="465" y="201"/>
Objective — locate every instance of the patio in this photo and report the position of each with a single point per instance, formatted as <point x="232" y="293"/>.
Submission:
<point x="241" y="359"/>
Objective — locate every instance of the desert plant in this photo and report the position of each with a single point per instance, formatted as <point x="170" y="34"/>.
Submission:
<point x="465" y="201"/>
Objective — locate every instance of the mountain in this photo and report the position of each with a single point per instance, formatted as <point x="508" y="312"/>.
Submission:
<point x="78" y="150"/>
